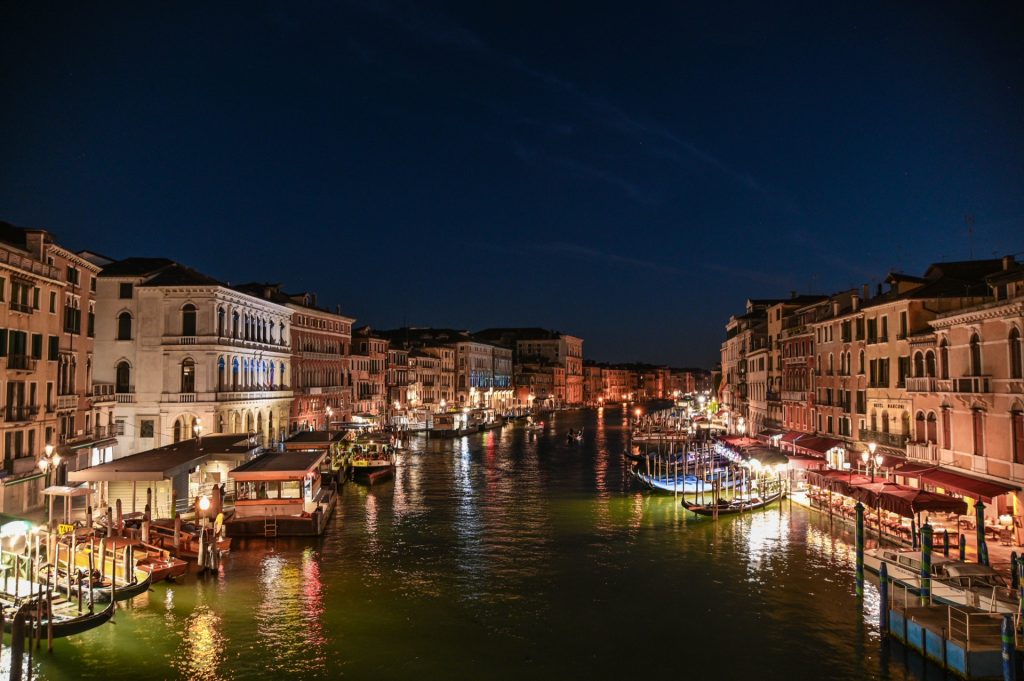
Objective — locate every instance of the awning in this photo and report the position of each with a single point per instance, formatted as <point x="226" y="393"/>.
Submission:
<point x="739" y="441"/>
<point x="792" y="435"/>
<point x="806" y="461"/>
<point x="818" y="445"/>
<point x="906" y="501"/>
<point x="986" y="490"/>
<point x="66" y="491"/>
<point x="765" y="455"/>
<point x="912" y="468"/>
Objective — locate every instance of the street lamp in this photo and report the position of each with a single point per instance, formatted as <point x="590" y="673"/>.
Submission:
<point x="327" y="425"/>
<point x="50" y="459"/>
<point x="197" y="428"/>
<point x="871" y="460"/>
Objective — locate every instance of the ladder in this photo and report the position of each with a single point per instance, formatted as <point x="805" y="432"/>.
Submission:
<point x="270" y="526"/>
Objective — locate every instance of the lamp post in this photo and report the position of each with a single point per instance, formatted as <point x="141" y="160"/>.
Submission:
<point x="327" y="420"/>
<point x="197" y="428"/>
<point x="50" y="460"/>
<point x="871" y="460"/>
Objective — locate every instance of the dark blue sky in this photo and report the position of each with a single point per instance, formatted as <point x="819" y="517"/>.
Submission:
<point x="629" y="175"/>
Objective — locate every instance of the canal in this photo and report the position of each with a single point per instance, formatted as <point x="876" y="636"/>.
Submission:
<point x="501" y="556"/>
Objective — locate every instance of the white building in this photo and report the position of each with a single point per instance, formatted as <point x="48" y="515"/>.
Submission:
<point x="180" y="349"/>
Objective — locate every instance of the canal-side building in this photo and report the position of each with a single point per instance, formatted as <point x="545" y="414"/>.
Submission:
<point x="896" y="321"/>
<point x="616" y="383"/>
<point x="31" y="324"/>
<point x="593" y="383"/>
<point x="321" y="343"/>
<point x="840" y="396"/>
<point x="541" y="349"/>
<point x="179" y="349"/>
<point x="398" y="378"/>
<point x="369" y="359"/>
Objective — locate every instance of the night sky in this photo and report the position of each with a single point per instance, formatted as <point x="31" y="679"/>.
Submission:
<point x="629" y="175"/>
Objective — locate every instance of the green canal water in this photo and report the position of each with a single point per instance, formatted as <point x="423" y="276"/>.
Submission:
<point x="500" y="556"/>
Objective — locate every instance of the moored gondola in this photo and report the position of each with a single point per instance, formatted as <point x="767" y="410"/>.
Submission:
<point x="723" y="507"/>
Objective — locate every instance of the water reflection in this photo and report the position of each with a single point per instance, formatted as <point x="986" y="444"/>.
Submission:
<point x="504" y="556"/>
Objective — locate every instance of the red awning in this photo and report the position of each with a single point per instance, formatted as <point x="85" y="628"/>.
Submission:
<point x="739" y="441"/>
<point x="818" y="445"/>
<point x="912" y="468"/>
<point x="792" y="435"/>
<point x="906" y="501"/>
<point x="986" y="490"/>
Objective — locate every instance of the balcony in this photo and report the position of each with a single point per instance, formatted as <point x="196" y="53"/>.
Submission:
<point x="21" y="307"/>
<point x="923" y="451"/>
<point x="127" y="397"/>
<point x="21" y="363"/>
<point x="19" y="412"/>
<point x="794" y="396"/>
<point x="895" y="440"/>
<point x="922" y="384"/>
<point x="67" y="402"/>
<point x="247" y="395"/>
<point x="965" y="385"/>
<point x="102" y="392"/>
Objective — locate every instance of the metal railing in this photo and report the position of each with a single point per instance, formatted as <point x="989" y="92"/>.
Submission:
<point x="21" y="363"/>
<point x="897" y="440"/>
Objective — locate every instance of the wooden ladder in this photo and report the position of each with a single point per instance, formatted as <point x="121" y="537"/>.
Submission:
<point x="270" y="526"/>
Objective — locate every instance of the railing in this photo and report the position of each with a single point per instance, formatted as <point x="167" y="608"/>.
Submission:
<point x="794" y="395"/>
<point x="125" y="398"/>
<point x="186" y="397"/>
<point x="896" y="440"/>
<point x="253" y="395"/>
<point x="67" y="402"/>
<point x="187" y="340"/>
<point x="21" y="412"/>
<point x="923" y="451"/>
<point x="21" y="307"/>
<point x="922" y="384"/>
<point x="21" y="363"/>
<point x="28" y="264"/>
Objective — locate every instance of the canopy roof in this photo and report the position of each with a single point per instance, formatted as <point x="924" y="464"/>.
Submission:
<point x="164" y="463"/>
<point x="280" y="466"/>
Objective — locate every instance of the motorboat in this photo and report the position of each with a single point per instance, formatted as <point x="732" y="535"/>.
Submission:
<point x="952" y="581"/>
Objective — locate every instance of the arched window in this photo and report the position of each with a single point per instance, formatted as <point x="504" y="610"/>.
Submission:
<point x="885" y="422"/>
<point x="188" y="376"/>
<point x="124" y="326"/>
<point x="284" y="382"/>
<point x="280" y="333"/>
<point x="905" y="424"/>
<point x="234" y="324"/>
<point x="874" y="420"/>
<point x="975" y="355"/>
<point x="188" y="320"/>
<point x="944" y="358"/>
<point x="123" y="380"/>
<point x="234" y="374"/>
<point x="1015" y="357"/>
<point x="272" y="384"/>
<point x="860" y="360"/>
<point x="831" y="364"/>
<point x="220" y="321"/>
<point x="920" y="432"/>
<point x="221" y="377"/>
<point x="929" y="364"/>
<point x="933" y="435"/>
<point x="918" y="364"/>
<point x="177" y="430"/>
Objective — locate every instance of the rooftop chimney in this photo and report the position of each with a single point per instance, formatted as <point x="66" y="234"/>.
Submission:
<point x="835" y="308"/>
<point x="855" y="302"/>
<point x="867" y="292"/>
<point x="1008" y="262"/>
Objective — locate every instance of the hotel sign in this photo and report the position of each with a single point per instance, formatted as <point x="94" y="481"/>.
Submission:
<point x="892" y="405"/>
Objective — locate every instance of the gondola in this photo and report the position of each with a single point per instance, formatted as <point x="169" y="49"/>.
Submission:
<point x="723" y="507"/>
<point x="66" y="620"/>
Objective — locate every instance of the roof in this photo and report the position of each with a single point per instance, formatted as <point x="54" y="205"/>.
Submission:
<point x="179" y="275"/>
<point x="293" y="465"/>
<point x="135" y="267"/>
<point x="311" y="438"/>
<point x="164" y="463"/>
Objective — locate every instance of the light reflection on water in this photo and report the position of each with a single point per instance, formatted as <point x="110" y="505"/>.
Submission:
<point x="502" y="556"/>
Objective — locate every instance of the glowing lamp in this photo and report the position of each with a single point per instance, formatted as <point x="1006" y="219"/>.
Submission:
<point x="204" y="503"/>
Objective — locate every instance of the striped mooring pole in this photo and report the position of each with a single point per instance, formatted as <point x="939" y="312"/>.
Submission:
<point x="945" y="543"/>
<point x="1009" y="649"/>
<point x="860" y="549"/>
<point x="979" y="528"/>
<point x="963" y="547"/>
<point x="926" y="564"/>
<point x="883" y="592"/>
